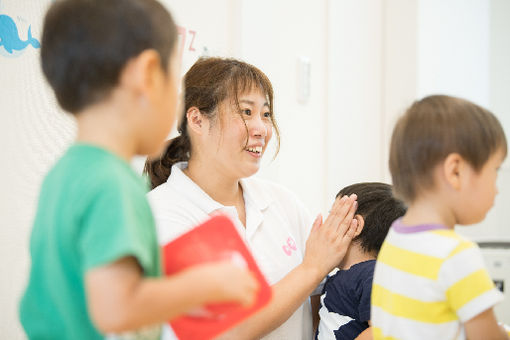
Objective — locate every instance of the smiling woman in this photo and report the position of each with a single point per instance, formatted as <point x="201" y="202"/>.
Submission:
<point x="227" y="123"/>
<point x="224" y="95"/>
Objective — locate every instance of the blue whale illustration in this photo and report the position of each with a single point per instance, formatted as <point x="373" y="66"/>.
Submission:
<point x="9" y="37"/>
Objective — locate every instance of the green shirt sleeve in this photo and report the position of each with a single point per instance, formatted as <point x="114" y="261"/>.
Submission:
<point x="118" y="223"/>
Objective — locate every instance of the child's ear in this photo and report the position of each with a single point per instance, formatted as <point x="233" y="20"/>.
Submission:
<point x="361" y="224"/>
<point x="143" y="73"/>
<point x="196" y="120"/>
<point x="452" y="168"/>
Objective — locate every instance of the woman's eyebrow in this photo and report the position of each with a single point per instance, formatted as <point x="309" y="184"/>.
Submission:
<point x="251" y="102"/>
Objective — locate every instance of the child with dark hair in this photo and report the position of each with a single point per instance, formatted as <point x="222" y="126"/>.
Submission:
<point x="430" y="282"/>
<point x="345" y="301"/>
<point x="96" y="263"/>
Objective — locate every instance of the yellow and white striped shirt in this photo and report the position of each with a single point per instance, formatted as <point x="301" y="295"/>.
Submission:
<point x="428" y="280"/>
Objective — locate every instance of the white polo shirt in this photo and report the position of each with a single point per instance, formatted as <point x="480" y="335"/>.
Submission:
<point x="277" y="227"/>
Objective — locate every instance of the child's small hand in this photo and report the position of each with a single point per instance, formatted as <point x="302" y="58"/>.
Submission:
<point x="328" y="241"/>
<point x="228" y="282"/>
<point x="505" y="328"/>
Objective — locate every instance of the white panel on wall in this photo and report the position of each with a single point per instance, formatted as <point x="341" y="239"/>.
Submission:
<point x="400" y="64"/>
<point x="453" y="49"/>
<point x="276" y="49"/>
<point x="355" y="69"/>
<point x="499" y="64"/>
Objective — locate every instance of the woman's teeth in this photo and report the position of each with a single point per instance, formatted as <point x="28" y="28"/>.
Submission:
<point x="256" y="149"/>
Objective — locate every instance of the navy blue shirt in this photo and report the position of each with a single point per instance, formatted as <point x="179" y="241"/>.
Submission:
<point x="345" y="302"/>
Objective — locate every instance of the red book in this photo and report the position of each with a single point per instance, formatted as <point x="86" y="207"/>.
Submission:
<point x="214" y="240"/>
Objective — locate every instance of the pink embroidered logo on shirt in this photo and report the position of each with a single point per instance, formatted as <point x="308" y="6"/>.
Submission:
<point x="289" y="247"/>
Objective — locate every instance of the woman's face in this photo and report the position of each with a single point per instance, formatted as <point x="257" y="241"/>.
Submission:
<point x="235" y="153"/>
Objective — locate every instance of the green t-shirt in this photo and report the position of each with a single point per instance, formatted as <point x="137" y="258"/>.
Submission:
<point x="92" y="211"/>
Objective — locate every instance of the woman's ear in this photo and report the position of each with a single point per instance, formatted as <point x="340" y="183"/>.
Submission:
<point x="361" y="224"/>
<point x="196" y="120"/>
<point x="452" y="169"/>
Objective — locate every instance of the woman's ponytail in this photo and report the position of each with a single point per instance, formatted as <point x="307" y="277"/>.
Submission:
<point x="177" y="150"/>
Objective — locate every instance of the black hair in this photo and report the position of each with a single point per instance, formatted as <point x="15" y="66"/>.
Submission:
<point x="379" y="208"/>
<point x="87" y="43"/>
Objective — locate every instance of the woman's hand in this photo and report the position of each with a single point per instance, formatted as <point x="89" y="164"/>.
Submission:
<point x="325" y="248"/>
<point x="327" y="243"/>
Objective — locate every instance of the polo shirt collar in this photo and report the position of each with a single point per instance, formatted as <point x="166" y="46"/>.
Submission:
<point x="256" y="198"/>
<point x="259" y="197"/>
<point x="190" y="189"/>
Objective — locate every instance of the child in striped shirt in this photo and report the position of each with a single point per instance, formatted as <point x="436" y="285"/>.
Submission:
<point x="429" y="282"/>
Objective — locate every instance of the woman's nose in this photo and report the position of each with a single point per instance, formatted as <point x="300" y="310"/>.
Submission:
<point x="257" y="127"/>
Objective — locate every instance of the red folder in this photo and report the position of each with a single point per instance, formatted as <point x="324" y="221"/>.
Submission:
<point x="214" y="240"/>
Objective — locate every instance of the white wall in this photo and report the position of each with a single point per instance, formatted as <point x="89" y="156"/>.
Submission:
<point x="453" y="48"/>
<point x="355" y="75"/>
<point x="33" y="134"/>
<point x="499" y="56"/>
<point x="399" y="67"/>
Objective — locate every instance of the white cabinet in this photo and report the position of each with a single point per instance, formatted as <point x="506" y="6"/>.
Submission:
<point x="497" y="259"/>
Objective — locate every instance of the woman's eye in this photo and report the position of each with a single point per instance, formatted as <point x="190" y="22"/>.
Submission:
<point x="267" y="114"/>
<point x="247" y="112"/>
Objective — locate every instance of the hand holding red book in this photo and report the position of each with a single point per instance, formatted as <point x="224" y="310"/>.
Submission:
<point x="214" y="240"/>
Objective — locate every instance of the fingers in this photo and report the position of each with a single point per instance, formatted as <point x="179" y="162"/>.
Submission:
<point x="317" y="223"/>
<point x="342" y="212"/>
<point x="343" y="207"/>
<point x="349" y="218"/>
<point x="230" y="283"/>
<point x="343" y="241"/>
<point x="349" y="235"/>
<point x="327" y="243"/>
<point x="249" y="293"/>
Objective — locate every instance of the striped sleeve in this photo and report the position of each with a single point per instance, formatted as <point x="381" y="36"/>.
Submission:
<point x="468" y="287"/>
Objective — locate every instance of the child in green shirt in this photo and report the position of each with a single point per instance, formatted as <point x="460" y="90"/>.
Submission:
<point x="95" y="258"/>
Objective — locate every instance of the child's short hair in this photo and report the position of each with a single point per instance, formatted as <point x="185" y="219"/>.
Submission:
<point x="379" y="208"/>
<point x="86" y="43"/>
<point x="433" y="128"/>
